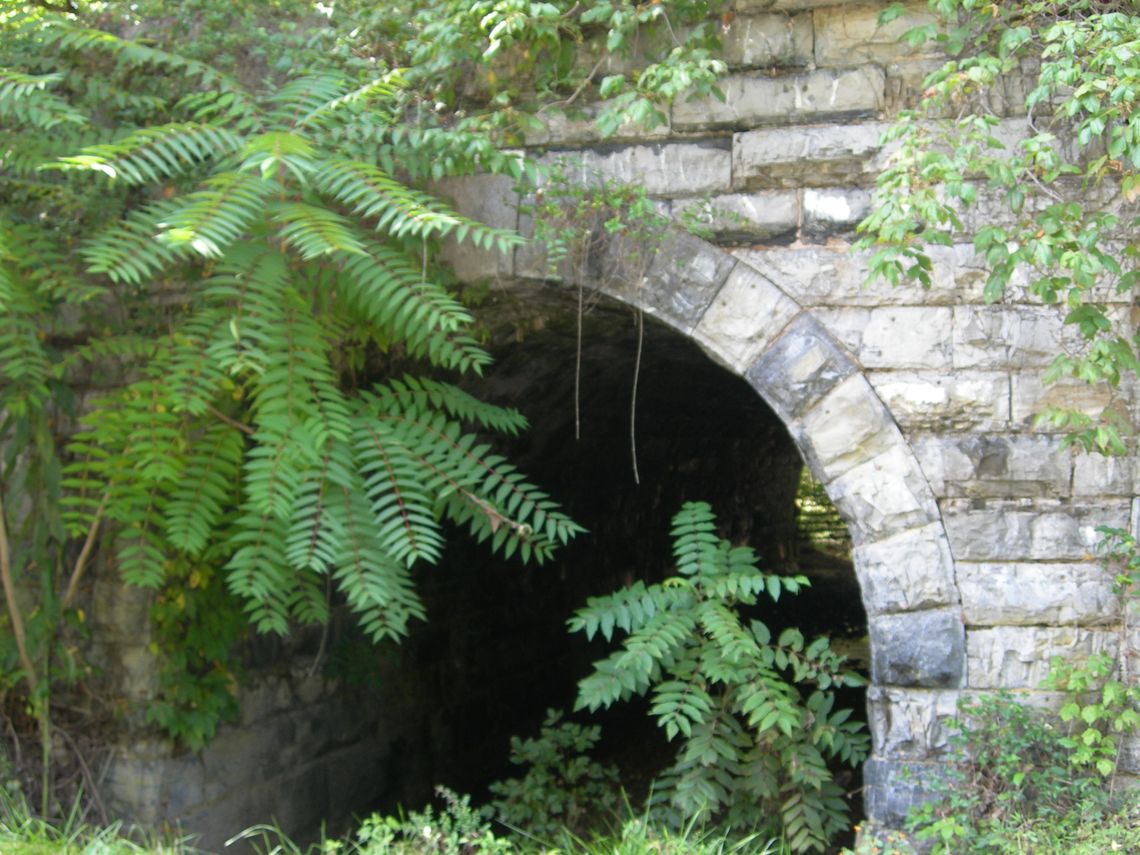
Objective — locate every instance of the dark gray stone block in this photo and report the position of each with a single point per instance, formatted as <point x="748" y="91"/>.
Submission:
<point x="925" y="649"/>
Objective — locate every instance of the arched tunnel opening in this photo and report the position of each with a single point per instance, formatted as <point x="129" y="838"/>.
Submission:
<point x="495" y="653"/>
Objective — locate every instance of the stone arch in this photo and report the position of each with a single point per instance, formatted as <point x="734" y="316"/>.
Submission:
<point x="748" y="323"/>
<point x="851" y="443"/>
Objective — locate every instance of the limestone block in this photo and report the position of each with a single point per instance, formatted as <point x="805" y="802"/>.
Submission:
<point x="747" y="313"/>
<point x="681" y="282"/>
<point x="134" y="780"/>
<point x="884" y="496"/>
<point x="945" y="403"/>
<point x="767" y="41"/>
<point x="832" y="211"/>
<point x="779" y="5"/>
<point x="1030" y="396"/>
<point x="998" y="466"/>
<point x="736" y="218"/>
<point x="850" y="33"/>
<point x="490" y="199"/>
<point x="263" y="697"/>
<point x="756" y="98"/>
<point x="558" y="129"/>
<point x="813" y="156"/>
<point x="848" y="426"/>
<point x="137" y="672"/>
<point x="1018" y="656"/>
<point x="664" y="169"/>
<point x="1044" y="530"/>
<point x="924" y="649"/>
<point x="999" y="336"/>
<point x="1129" y="760"/>
<point x="1029" y="594"/>
<point x="892" y="787"/>
<point x="894" y="336"/>
<point x="908" y="571"/>
<point x="799" y="369"/>
<point x="911" y="724"/>
<point x="835" y="276"/>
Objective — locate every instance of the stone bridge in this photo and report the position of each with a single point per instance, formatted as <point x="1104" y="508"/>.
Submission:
<point x="974" y="532"/>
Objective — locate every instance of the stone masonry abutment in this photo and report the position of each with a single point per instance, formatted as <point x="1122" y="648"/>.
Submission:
<point x="974" y="530"/>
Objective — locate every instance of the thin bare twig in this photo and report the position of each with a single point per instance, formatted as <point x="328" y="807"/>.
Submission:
<point x="14" y="613"/>
<point x="85" y="553"/>
<point x="633" y="396"/>
<point x="234" y="423"/>
<point x="87" y="776"/>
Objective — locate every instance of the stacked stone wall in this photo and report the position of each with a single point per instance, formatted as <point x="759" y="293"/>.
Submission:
<point x="975" y="530"/>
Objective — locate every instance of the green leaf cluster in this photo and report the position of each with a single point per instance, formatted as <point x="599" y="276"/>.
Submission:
<point x="563" y="789"/>
<point x="1068" y="180"/>
<point x="236" y="280"/>
<point x="1011" y="780"/>
<point x="754" y="715"/>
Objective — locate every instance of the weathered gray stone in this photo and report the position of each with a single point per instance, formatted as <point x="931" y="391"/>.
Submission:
<point x="828" y="212"/>
<point x="559" y="130"/>
<point x="924" y="649"/>
<point x="834" y="276"/>
<point x="892" y="787"/>
<point x="778" y="5"/>
<point x="998" y="466"/>
<point x="753" y="98"/>
<point x="895" y="336"/>
<point x="681" y="282"/>
<point x="1037" y="594"/>
<point x="799" y="369"/>
<point x="911" y="724"/>
<point x="819" y="156"/>
<point x="767" y="41"/>
<point x="1030" y="396"/>
<point x="664" y="169"/>
<point x="847" y="427"/>
<point x="849" y="33"/>
<point x="736" y="218"/>
<point x="1097" y="475"/>
<point x="1016" y="657"/>
<point x="883" y="496"/>
<point x="908" y="571"/>
<point x="747" y="313"/>
<point x="997" y="530"/>
<point x="961" y="402"/>
<point x="999" y="335"/>
<point x="489" y="199"/>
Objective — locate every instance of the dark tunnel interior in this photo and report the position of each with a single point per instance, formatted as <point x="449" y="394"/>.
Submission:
<point x="495" y="654"/>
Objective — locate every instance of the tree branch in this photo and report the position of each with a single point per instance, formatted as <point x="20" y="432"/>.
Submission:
<point x="14" y="612"/>
<point x="84" y="554"/>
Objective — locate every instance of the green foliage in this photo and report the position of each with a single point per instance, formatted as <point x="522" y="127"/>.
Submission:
<point x="196" y="624"/>
<point x="522" y="57"/>
<point x="240" y="269"/>
<point x="754" y="750"/>
<point x="1013" y="780"/>
<point x="458" y="829"/>
<point x="563" y="788"/>
<point x="1103" y="699"/>
<point x="1068" y="182"/>
<point x="580" y="215"/>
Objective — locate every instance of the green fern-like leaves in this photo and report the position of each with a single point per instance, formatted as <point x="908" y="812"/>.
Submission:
<point x="751" y="747"/>
<point x="249" y="246"/>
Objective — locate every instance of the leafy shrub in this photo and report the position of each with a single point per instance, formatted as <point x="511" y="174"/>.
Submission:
<point x="1012" y="778"/>
<point x="562" y="787"/>
<point x="458" y="829"/>
<point x="755" y="750"/>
